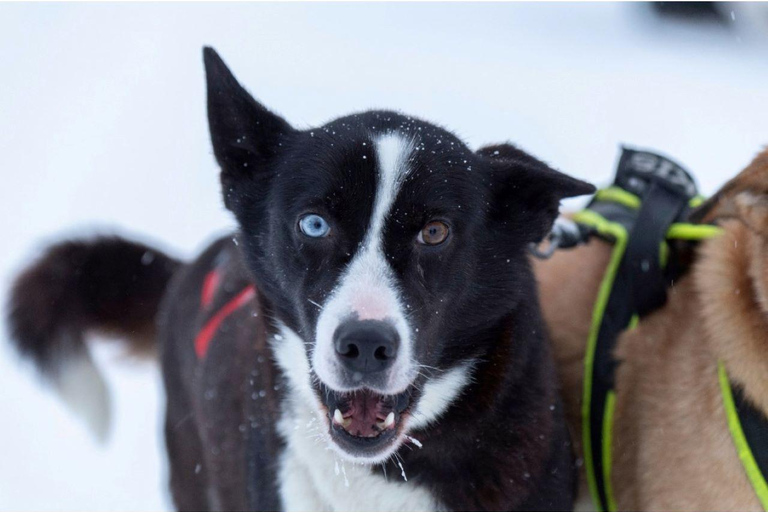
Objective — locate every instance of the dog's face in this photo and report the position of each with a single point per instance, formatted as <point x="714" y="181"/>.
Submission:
<point x="386" y="249"/>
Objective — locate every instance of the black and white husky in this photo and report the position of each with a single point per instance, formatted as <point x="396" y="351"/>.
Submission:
<point x="369" y="339"/>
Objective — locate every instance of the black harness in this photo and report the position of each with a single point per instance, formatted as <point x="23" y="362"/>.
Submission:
<point x="639" y="287"/>
<point x="644" y="215"/>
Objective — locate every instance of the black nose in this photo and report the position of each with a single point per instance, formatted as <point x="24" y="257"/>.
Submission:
<point x="366" y="346"/>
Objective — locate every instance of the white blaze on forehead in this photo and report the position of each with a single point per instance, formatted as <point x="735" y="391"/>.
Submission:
<point x="370" y="274"/>
<point x="393" y="152"/>
<point x="367" y="289"/>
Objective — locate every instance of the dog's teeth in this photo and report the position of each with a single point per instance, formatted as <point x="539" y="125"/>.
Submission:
<point x="388" y="421"/>
<point x="339" y="419"/>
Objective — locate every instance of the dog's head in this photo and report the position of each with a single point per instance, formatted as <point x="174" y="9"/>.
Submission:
<point x="385" y="248"/>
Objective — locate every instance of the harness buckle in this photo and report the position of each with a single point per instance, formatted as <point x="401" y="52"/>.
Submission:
<point x="565" y="234"/>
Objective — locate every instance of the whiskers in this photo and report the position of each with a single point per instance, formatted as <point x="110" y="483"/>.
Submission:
<point x="400" y="464"/>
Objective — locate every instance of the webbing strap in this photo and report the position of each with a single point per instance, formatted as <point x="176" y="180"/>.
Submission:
<point x="610" y="316"/>
<point x="647" y="280"/>
<point x="597" y="413"/>
<point x="206" y="334"/>
<point x="749" y="431"/>
<point x="635" y="283"/>
<point x="208" y="294"/>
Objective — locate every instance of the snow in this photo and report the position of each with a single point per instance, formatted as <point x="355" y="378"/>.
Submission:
<point x="102" y="128"/>
<point x="414" y="441"/>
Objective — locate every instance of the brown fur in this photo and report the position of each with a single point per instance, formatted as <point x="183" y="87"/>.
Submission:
<point x="672" y="447"/>
<point x="568" y="284"/>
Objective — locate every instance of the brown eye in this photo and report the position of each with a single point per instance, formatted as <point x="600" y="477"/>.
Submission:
<point x="433" y="233"/>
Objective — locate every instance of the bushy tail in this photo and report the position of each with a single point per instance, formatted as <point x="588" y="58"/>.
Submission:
<point x="108" y="285"/>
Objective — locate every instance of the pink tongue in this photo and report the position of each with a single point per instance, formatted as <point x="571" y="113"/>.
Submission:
<point x="365" y="410"/>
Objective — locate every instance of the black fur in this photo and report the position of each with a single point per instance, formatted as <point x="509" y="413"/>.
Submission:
<point x="107" y="284"/>
<point x="503" y="445"/>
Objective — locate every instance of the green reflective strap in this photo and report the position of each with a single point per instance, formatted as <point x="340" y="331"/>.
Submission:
<point x="603" y="226"/>
<point x="616" y="232"/>
<point x="610" y="404"/>
<point x="618" y="195"/>
<point x="737" y="434"/>
<point x="684" y="231"/>
<point x="663" y="254"/>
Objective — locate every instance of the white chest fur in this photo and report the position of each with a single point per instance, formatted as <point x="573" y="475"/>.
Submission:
<point x="313" y="478"/>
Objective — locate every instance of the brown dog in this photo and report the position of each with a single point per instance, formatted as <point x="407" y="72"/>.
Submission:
<point x="672" y="449"/>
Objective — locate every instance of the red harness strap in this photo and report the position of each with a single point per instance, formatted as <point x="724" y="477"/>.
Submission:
<point x="210" y="284"/>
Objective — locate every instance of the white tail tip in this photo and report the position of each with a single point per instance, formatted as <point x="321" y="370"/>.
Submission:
<point x="83" y="389"/>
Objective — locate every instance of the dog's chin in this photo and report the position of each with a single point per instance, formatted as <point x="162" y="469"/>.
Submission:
<point x="365" y="426"/>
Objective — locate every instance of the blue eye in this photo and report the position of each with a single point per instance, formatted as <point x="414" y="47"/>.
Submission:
<point x="314" y="226"/>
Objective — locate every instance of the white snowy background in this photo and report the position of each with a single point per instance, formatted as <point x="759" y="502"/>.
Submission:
<point x="103" y="129"/>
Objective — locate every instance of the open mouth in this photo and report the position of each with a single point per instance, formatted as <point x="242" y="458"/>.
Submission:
<point x="363" y="422"/>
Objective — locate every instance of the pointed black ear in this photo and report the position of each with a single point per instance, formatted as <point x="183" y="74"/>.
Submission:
<point x="245" y="135"/>
<point x="527" y="191"/>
